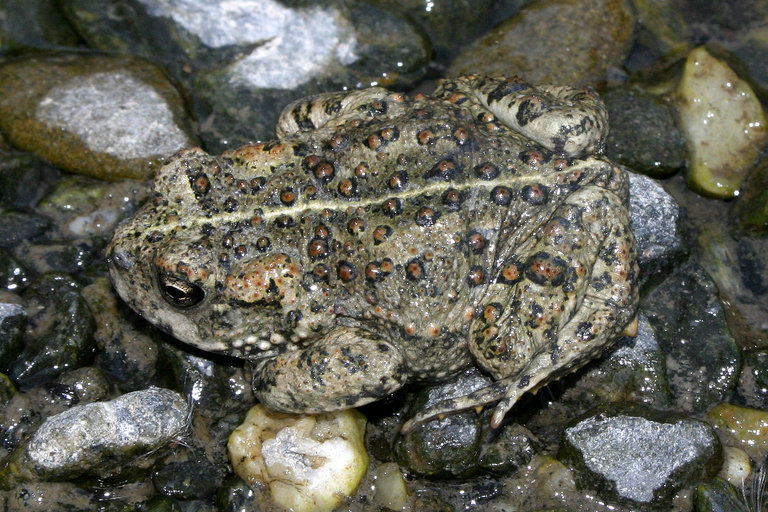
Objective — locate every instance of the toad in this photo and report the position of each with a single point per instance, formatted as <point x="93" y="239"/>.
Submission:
<point x="382" y="239"/>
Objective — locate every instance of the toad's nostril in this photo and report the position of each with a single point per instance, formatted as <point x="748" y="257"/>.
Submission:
<point x="120" y="258"/>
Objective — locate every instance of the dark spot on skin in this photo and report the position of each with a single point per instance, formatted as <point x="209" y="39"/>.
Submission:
<point x="511" y="271"/>
<point x="287" y="196"/>
<point x="348" y="188"/>
<point x="337" y="143"/>
<point x="381" y="233"/>
<point x="492" y="312"/>
<point x="545" y="268"/>
<point x="476" y="242"/>
<point x="230" y="205"/>
<point x="320" y="273"/>
<point x="452" y="199"/>
<point x="317" y="249"/>
<point x="257" y="184"/>
<point x="506" y="88"/>
<point x="376" y="108"/>
<point x="263" y="243"/>
<point x="322" y="231"/>
<point x="284" y="221"/>
<point x="476" y="276"/>
<point x="524" y="381"/>
<point x="392" y="207"/>
<point x="398" y="180"/>
<point x="425" y="137"/>
<point x="501" y="196"/>
<point x="445" y="170"/>
<point x="355" y="226"/>
<point x="584" y="331"/>
<point x="486" y="171"/>
<point x="346" y="271"/>
<point x="414" y="269"/>
<point x="155" y="236"/>
<point x="535" y="194"/>
<point x="199" y="183"/>
<point x="535" y="157"/>
<point x="373" y="272"/>
<point x="426" y="216"/>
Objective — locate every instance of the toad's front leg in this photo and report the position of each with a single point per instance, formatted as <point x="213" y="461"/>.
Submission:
<point x="347" y="367"/>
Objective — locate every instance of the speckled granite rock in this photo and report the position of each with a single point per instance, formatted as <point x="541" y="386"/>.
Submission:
<point x="100" y="438"/>
<point x="640" y="455"/>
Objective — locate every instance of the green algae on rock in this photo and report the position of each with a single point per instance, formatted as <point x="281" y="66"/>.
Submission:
<point x="744" y="427"/>
<point x="723" y="122"/>
<point x="107" y="117"/>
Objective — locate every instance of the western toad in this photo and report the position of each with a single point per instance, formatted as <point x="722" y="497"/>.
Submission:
<point x="382" y="239"/>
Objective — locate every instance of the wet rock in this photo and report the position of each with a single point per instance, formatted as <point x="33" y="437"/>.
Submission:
<point x="656" y="224"/>
<point x="188" y="480"/>
<point x="717" y="495"/>
<point x="234" y="495"/>
<point x="46" y="497"/>
<point x="99" y="438"/>
<point x="59" y="333"/>
<point x="449" y="446"/>
<point x="108" y="117"/>
<point x="461" y="444"/>
<point x="58" y="257"/>
<point x="13" y="275"/>
<point x="33" y="24"/>
<point x="739" y="269"/>
<point x="309" y="462"/>
<point x="12" y="317"/>
<point x="702" y="358"/>
<point x="25" y="410"/>
<point x="24" y="180"/>
<point x="643" y="134"/>
<point x="128" y="353"/>
<point x="216" y="384"/>
<point x="723" y="123"/>
<point x="751" y="206"/>
<point x="736" y="465"/>
<point x="83" y="207"/>
<point x="16" y="227"/>
<point x="743" y="427"/>
<point x="752" y="51"/>
<point x="596" y="34"/>
<point x="634" y="372"/>
<point x="440" y="20"/>
<point x="734" y="15"/>
<point x="243" y="61"/>
<point x="753" y="380"/>
<point x="391" y="491"/>
<point x="661" y="28"/>
<point x="639" y="455"/>
<point x="442" y="448"/>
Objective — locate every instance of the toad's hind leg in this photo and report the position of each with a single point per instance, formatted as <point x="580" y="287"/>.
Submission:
<point x="346" y="368"/>
<point x="565" y="304"/>
<point x="327" y="110"/>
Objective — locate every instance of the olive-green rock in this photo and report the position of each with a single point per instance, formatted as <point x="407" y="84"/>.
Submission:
<point x="104" y="116"/>
<point x="723" y="122"/>
<point x="643" y="134"/>
<point x="554" y="41"/>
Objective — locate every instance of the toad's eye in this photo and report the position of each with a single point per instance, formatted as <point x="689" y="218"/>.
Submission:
<point x="179" y="292"/>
